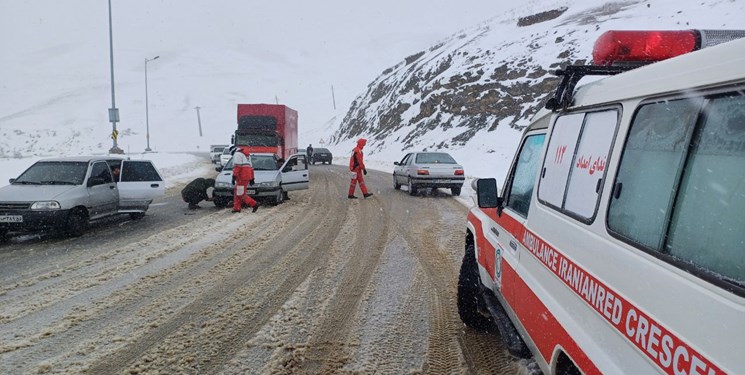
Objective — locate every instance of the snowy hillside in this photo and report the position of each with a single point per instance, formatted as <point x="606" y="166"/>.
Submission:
<point x="473" y="92"/>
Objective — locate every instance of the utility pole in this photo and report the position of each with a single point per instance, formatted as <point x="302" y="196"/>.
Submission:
<point x="147" y="116"/>
<point x="199" y="121"/>
<point x="113" y="111"/>
<point x="333" y="98"/>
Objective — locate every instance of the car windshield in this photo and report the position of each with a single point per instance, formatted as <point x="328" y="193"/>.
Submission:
<point x="434" y="158"/>
<point x="226" y="151"/>
<point x="259" y="163"/>
<point x="264" y="163"/>
<point x="54" y="173"/>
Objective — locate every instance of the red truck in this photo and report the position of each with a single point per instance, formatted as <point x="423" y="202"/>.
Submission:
<point x="267" y="128"/>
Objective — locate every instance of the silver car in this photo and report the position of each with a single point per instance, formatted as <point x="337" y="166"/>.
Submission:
<point x="428" y="170"/>
<point x="67" y="193"/>
<point x="270" y="181"/>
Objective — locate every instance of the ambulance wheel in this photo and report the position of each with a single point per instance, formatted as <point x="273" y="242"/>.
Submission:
<point x="469" y="294"/>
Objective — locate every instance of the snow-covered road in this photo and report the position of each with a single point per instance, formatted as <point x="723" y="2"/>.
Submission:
<point x="319" y="284"/>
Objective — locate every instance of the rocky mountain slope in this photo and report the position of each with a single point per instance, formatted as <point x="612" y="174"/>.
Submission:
<point x="498" y="74"/>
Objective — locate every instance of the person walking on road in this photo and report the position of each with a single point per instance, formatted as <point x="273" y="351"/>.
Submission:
<point x="357" y="167"/>
<point x="243" y="174"/>
<point x="309" y="152"/>
<point x="196" y="191"/>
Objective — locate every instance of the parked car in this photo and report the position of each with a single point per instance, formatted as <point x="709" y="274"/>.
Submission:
<point x="428" y="170"/>
<point x="321" y="155"/>
<point x="227" y="153"/>
<point x="67" y="193"/>
<point x="270" y="181"/>
<point x="215" y="152"/>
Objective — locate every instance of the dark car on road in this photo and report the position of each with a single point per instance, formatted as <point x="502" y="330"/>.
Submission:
<point x="321" y="155"/>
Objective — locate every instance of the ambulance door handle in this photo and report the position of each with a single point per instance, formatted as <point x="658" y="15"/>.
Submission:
<point x="495" y="231"/>
<point x="513" y="245"/>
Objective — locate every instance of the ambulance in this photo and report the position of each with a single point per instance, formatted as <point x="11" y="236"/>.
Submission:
<point x="616" y="245"/>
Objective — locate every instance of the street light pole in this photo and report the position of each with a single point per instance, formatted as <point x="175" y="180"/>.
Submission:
<point x="113" y="111"/>
<point x="147" y="116"/>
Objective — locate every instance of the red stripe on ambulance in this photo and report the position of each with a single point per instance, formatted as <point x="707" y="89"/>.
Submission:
<point x="659" y="344"/>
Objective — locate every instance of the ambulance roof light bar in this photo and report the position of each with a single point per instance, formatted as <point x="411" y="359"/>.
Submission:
<point x="643" y="47"/>
<point x="618" y="51"/>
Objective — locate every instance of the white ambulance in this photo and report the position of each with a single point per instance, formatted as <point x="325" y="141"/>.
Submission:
<point x="617" y="243"/>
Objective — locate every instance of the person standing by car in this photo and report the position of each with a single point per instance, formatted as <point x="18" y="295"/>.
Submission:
<point x="196" y="191"/>
<point x="309" y="152"/>
<point x="243" y="173"/>
<point x="357" y="167"/>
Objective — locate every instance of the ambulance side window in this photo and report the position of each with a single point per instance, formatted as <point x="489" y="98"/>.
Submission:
<point x="707" y="222"/>
<point x="576" y="160"/>
<point x="520" y="189"/>
<point x="679" y="193"/>
<point x="646" y="180"/>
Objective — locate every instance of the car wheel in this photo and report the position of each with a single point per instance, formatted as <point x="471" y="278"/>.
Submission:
<point x="136" y="215"/>
<point x="396" y="185"/>
<point x="77" y="223"/>
<point x="469" y="294"/>
<point x="221" y="203"/>
<point x="329" y="162"/>
<point x="455" y="191"/>
<point x="314" y="162"/>
<point x="280" y="197"/>
<point x="412" y="187"/>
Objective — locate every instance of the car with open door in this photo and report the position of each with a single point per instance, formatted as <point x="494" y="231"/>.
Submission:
<point x="67" y="193"/>
<point x="272" y="179"/>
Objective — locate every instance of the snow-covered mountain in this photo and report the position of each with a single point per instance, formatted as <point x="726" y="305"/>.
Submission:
<point x="471" y="93"/>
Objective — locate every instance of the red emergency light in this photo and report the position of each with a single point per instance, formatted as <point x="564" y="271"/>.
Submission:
<point x="643" y="46"/>
<point x="617" y="47"/>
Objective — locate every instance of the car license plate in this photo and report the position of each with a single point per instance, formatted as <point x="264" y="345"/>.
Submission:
<point x="442" y="181"/>
<point x="11" y="219"/>
<point x="250" y="191"/>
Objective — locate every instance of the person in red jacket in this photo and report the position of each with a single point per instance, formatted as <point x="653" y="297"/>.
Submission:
<point x="357" y="166"/>
<point x="243" y="173"/>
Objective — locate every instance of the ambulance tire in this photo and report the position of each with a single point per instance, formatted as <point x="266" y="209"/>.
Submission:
<point x="469" y="295"/>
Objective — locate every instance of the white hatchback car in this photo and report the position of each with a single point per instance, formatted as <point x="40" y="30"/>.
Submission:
<point x="67" y="193"/>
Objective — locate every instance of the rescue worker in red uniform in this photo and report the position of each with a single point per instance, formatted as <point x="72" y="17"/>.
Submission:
<point x="357" y="166"/>
<point x="243" y="173"/>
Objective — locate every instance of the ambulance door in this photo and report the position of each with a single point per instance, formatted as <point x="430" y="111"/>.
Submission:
<point x="509" y="223"/>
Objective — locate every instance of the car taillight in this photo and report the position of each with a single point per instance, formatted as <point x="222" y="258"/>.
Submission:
<point x="422" y="172"/>
<point x="459" y="172"/>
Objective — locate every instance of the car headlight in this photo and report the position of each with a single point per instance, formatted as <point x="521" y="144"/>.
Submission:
<point x="267" y="184"/>
<point x="46" y="205"/>
<point x="222" y="184"/>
